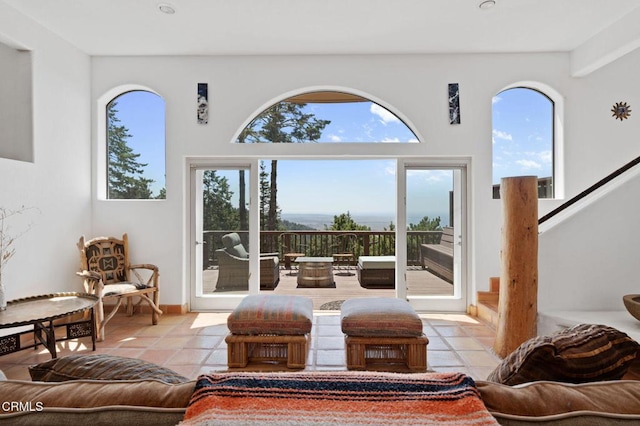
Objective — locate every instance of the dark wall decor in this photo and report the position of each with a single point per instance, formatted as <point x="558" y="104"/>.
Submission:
<point x="203" y="103"/>
<point x="621" y="110"/>
<point x="454" y="103"/>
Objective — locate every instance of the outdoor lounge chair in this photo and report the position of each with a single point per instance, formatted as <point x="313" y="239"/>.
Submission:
<point x="233" y="266"/>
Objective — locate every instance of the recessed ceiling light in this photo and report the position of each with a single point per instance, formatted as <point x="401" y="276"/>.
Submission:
<point x="166" y="8"/>
<point x="487" y="4"/>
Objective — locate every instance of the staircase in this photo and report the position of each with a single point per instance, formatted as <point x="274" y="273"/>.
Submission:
<point x="487" y="309"/>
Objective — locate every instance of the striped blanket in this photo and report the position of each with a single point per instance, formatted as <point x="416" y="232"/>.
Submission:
<point x="336" y="398"/>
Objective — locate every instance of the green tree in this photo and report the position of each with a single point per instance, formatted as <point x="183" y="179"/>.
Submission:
<point x="284" y="122"/>
<point x="344" y="222"/>
<point x="264" y="195"/>
<point x="125" y="174"/>
<point x="218" y="211"/>
<point x="426" y="224"/>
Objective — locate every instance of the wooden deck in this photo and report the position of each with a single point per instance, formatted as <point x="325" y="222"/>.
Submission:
<point x="419" y="282"/>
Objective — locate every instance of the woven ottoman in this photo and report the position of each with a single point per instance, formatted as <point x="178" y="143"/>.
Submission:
<point x="381" y="333"/>
<point x="269" y="329"/>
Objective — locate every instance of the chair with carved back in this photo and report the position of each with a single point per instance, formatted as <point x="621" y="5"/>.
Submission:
<point x="107" y="273"/>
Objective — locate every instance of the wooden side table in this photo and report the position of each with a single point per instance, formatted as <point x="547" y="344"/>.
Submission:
<point x="315" y="272"/>
<point x="40" y="310"/>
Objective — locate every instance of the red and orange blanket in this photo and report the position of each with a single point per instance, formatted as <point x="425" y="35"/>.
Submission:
<point x="336" y="398"/>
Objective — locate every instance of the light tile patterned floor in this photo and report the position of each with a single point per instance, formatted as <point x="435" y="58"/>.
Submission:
<point x="194" y="343"/>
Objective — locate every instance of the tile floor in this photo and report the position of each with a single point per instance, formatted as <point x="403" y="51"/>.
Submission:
<point x="194" y="343"/>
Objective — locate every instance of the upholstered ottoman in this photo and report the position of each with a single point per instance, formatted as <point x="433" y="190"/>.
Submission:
<point x="381" y="332"/>
<point x="269" y="328"/>
<point x="377" y="271"/>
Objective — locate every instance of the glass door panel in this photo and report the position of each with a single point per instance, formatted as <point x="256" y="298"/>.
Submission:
<point x="220" y="215"/>
<point x="433" y="213"/>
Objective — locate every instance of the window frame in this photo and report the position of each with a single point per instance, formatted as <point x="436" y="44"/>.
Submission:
<point x="101" y="159"/>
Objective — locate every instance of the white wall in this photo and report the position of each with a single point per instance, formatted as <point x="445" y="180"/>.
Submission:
<point x="413" y="86"/>
<point x="57" y="183"/>
<point x="591" y="260"/>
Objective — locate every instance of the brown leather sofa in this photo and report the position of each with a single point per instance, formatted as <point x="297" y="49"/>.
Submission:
<point x="152" y="402"/>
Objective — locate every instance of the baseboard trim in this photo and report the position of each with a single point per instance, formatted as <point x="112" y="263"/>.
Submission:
<point x="145" y="309"/>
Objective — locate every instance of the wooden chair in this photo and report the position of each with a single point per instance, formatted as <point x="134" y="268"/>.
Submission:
<point x="291" y="247"/>
<point x="107" y="273"/>
<point x="344" y="252"/>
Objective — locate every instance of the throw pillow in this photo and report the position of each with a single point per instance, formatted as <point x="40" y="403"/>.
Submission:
<point x="583" y="353"/>
<point x="101" y="367"/>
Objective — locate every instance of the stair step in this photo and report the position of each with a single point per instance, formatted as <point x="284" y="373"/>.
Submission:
<point x="488" y="297"/>
<point x="488" y="313"/>
<point x="494" y="284"/>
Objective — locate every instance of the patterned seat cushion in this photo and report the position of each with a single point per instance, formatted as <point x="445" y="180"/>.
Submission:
<point x="381" y="317"/>
<point x="583" y="353"/>
<point x="101" y="367"/>
<point x="272" y="314"/>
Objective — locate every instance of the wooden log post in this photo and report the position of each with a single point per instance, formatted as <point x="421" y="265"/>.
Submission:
<point x="518" y="304"/>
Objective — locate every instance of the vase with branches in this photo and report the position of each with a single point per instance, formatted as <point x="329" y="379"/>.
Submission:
<point x="7" y="240"/>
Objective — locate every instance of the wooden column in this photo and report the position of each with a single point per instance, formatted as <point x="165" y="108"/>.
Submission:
<point x="518" y="305"/>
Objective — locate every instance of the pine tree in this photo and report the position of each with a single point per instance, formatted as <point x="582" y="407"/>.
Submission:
<point x="125" y="174"/>
<point x="218" y="211"/>
<point x="284" y="122"/>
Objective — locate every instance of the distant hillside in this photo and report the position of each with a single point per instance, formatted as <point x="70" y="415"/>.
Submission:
<point x="293" y="226"/>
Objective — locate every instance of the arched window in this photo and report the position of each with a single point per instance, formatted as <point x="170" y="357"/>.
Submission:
<point x="523" y="142"/>
<point x="135" y="123"/>
<point x="326" y="117"/>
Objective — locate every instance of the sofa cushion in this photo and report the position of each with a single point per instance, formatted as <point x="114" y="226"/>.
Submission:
<point x="540" y="399"/>
<point x="272" y="314"/>
<point x="583" y="353"/>
<point x="379" y="316"/>
<point x="138" y="402"/>
<point x="101" y="367"/>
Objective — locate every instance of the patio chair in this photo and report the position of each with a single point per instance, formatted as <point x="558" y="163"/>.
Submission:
<point x="344" y="252"/>
<point x="233" y="266"/>
<point x="107" y="273"/>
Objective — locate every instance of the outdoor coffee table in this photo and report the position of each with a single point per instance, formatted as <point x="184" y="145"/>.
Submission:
<point x="40" y="310"/>
<point x="315" y="271"/>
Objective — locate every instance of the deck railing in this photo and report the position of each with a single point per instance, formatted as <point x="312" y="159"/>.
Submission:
<point x="324" y="243"/>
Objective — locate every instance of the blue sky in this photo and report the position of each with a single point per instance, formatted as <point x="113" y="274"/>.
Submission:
<point x="143" y="113"/>
<point x="522" y="134"/>
<point x="521" y="140"/>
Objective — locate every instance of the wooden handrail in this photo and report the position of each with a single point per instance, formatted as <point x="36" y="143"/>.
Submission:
<point x="589" y="190"/>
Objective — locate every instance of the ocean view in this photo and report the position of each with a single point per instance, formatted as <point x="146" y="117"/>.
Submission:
<point x="375" y="222"/>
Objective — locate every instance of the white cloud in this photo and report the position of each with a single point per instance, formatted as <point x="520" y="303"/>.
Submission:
<point x="385" y="116"/>
<point x="390" y="140"/>
<point x="529" y="164"/>
<point x="545" y="156"/>
<point x="335" y="138"/>
<point x="495" y="100"/>
<point x="499" y="134"/>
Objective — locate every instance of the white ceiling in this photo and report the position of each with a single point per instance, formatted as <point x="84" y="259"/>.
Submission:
<point x="216" y="27"/>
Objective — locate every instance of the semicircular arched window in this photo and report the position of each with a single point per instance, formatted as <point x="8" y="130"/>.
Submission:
<point x="522" y="139"/>
<point x="136" y="146"/>
<point x="326" y="117"/>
